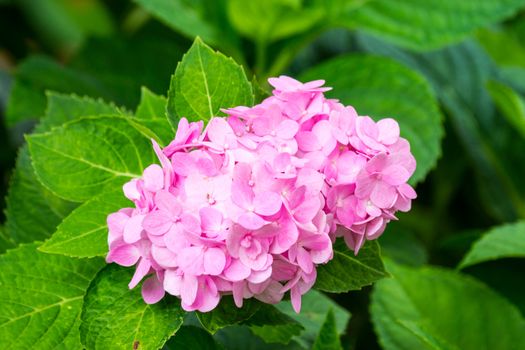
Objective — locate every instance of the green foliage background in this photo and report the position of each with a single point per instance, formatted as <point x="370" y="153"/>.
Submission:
<point x="73" y="73"/>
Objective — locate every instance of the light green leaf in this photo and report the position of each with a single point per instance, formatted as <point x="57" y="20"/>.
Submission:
<point x="314" y="306"/>
<point x="88" y="156"/>
<point x="84" y="232"/>
<point x="271" y="20"/>
<point x="6" y="242"/>
<point x="503" y="46"/>
<point x="429" y="24"/>
<point x="273" y="326"/>
<point x="328" y="338"/>
<point x="506" y="241"/>
<point x="510" y="103"/>
<point x="381" y="88"/>
<point x="346" y="271"/>
<point x="151" y="112"/>
<point x="227" y="314"/>
<point x="115" y="317"/>
<point x="197" y="337"/>
<point x="454" y="308"/>
<point x="205" y="82"/>
<point x="42" y="298"/>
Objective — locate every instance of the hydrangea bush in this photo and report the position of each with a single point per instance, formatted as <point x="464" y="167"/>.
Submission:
<point x="264" y="197"/>
<point x="251" y="205"/>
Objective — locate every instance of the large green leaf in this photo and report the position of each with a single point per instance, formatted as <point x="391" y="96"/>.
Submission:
<point x="205" y="82"/>
<point x="227" y="314"/>
<point x="383" y="88"/>
<point x="85" y="157"/>
<point x="459" y="75"/>
<point x="33" y="212"/>
<point x="424" y="25"/>
<point x="328" y="338"/>
<point x="314" y="307"/>
<point x="273" y="326"/>
<point x="505" y="241"/>
<point x="42" y="298"/>
<point x="115" y="317"/>
<point x="346" y="271"/>
<point x="151" y="112"/>
<point x="510" y="103"/>
<point x="84" y="232"/>
<point x="192" y="336"/>
<point x="445" y="305"/>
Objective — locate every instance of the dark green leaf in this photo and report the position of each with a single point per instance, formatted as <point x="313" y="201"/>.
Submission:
<point x="115" y="317"/>
<point x="346" y="271"/>
<point x="452" y="307"/>
<point x="273" y="326"/>
<point x="42" y="298"/>
<point x="192" y="336"/>
<point x="328" y="338"/>
<point x="505" y="241"/>
<point x="151" y="112"/>
<point x="227" y="314"/>
<point x="205" y="82"/>
<point x="510" y="103"/>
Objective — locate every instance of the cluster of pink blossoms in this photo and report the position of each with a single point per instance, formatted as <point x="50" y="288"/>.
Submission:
<point x="253" y="203"/>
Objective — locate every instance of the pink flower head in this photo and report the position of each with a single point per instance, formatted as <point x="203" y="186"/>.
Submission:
<point x="251" y="205"/>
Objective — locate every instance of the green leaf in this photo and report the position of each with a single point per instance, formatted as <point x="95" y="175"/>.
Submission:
<point x="115" y="317"/>
<point x="6" y="242"/>
<point x="402" y="246"/>
<point x="430" y="24"/>
<point x="346" y="271"/>
<point x="242" y="338"/>
<point x="197" y="337"/>
<point x="268" y="21"/>
<point x="84" y="232"/>
<point x="88" y="156"/>
<point x="195" y="18"/>
<point x="312" y="316"/>
<point x="42" y="298"/>
<point x="504" y="47"/>
<point x="455" y="308"/>
<point x="205" y="82"/>
<point x="419" y="330"/>
<point x="37" y="74"/>
<point x="151" y="112"/>
<point x="510" y="103"/>
<point x="383" y="88"/>
<point x="504" y="241"/>
<point x="33" y="212"/>
<point x="227" y="314"/>
<point x="328" y="339"/>
<point x="273" y="326"/>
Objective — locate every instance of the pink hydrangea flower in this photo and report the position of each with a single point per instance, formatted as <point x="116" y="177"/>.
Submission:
<point x="252" y="204"/>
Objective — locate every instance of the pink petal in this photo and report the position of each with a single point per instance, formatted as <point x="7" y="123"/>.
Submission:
<point x="168" y="203"/>
<point x="125" y="255"/>
<point x="153" y="178"/>
<point x="157" y="222"/>
<point x="172" y="282"/>
<point x="388" y="131"/>
<point x="267" y="203"/>
<point x="142" y="270"/>
<point x="152" y="290"/>
<point x="395" y="175"/>
<point x="164" y="256"/>
<point x="295" y="296"/>
<point x="133" y="229"/>
<point x="383" y="195"/>
<point x="307" y="210"/>
<point x="242" y="195"/>
<point x="307" y="141"/>
<point x="189" y="288"/>
<point x="131" y="190"/>
<point x="191" y="260"/>
<point x="236" y="271"/>
<point x="260" y="276"/>
<point x="214" y="261"/>
<point x="304" y="260"/>
<point x="251" y="221"/>
<point x="117" y="221"/>
<point x="287" y="129"/>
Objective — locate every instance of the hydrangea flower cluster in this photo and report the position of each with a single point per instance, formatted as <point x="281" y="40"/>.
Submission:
<point x="250" y="205"/>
